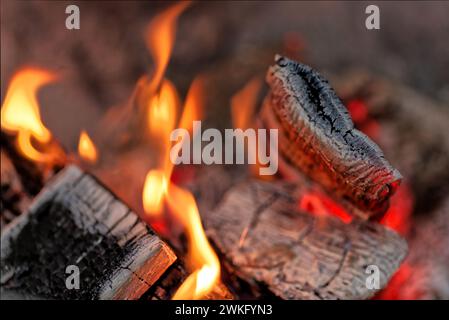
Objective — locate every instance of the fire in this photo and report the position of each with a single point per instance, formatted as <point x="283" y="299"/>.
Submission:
<point x="158" y="190"/>
<point x="201" y="256"/>
<point x="86" y="148"/>
<point x="160" y="37"/>
<point x="243" y="104"/>
<point x="20" y="113"/>
<point x="154" y="191"/>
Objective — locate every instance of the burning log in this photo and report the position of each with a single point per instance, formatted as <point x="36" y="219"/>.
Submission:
<point x="318" y="137"/>
<point x="75" y="221"/>
<point x="166" y="286"/>
<point x="295" y="255"/>
<point x="13" y="198"/>
<point x="21" y="179"/>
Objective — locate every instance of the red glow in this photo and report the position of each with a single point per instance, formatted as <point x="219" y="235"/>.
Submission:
<point x="398" y="288"/>
<point x="358" y="110"/>
<point x="399" y="213"/>
<point x="321" y="205"/>
<point x="360" y="115"/>
<point x="160" y="226"/>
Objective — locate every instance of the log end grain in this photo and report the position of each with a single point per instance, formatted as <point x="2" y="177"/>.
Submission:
<point x="76" y="221"/>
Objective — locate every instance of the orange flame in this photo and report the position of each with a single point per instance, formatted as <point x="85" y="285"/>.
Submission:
<point x="243" y="104"/>
<point x="201" y="256"/>
<point x="86" y="148"/>
<point x="243" y="107"/>
<point x="160" y="37"/>
<point x="158" y="189"/>
<point x="20" y="112"/>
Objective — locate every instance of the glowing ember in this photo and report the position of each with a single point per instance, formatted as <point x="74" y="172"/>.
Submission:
<point x="321" y="205"/>
<point x="20" y="113"/>
<point x="86" y="148"/>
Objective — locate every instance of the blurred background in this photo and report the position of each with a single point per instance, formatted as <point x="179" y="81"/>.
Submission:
<point x="101" y="62"/>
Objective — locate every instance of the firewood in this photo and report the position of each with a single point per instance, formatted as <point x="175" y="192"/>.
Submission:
<point x="268" y="242"/>
<point x="319" y="138"/>
<point x="166" y="286"/>
<point x="29" y="173"/>
<point x="424" y="161"/>
<point x="76" y="221"/>
<point x="13" y="199"/>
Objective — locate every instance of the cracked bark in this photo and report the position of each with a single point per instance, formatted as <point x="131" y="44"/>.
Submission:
<point x="317" y="136"/>
<point x="76" y="221"/>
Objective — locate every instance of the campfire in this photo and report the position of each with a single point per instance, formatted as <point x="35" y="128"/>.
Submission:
<point x="151" y="204"/>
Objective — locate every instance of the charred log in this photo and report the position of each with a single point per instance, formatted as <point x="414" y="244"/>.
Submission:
<point x="76" y="221"/>
<point x="318" y="137"/>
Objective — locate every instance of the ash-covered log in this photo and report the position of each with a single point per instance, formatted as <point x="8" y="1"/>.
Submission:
<point x="267" y="242"/>
<point x="76" y="221"/>
<point x="318" y="137"/>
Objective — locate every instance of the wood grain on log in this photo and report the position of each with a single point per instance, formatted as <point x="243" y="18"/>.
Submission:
<point x="76" y="221"/>
<point x="320" y="138"/>
<point x="294" y="254"/>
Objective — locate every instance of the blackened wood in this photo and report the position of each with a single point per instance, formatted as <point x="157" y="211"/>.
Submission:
<point x="29" y="172"/>
<point x="76" y="221"/>
<point x="166" y="286"/>
<point x="320" y="139"/>
<point x="290" y="253"/>
<point x="13" y="199"/>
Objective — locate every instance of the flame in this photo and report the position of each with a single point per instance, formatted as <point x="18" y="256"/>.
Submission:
<point x="86" y="148"/>
<point x="243" y="104"/>
<point x="159" y="190"/>
<point x="160" y="37"/>
<point x="162" y="119"/>
<point x="201" y="256"/>
<point x="154" y="190"/>
<point x="20" y="112"/>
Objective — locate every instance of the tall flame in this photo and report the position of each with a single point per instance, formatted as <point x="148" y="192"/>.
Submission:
<point x="160" y="37"/>
<point x="86" y="148"/>
<point x="20" y="112"/>
<point x="158" y="189"/>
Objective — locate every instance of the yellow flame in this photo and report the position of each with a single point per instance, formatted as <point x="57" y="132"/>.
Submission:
<point x="154" y="191"/>
<point x="160" y="37"/>
<point x="201" y="256"/>
<point x="20" y="111"/>
<point x="86" y="148"/>
<point x="159" y="190"/>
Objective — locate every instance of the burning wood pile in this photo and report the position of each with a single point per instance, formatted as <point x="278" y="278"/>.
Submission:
<point x="132" y="224"/>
